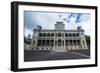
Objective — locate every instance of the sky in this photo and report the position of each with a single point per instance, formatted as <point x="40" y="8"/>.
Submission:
<point x="48" y="19"/>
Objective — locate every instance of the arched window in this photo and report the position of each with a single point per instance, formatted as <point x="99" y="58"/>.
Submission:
<point x="52" y="34"/>
<point x="78" y="42"/>
<point x="74" y="42"/>
<point x="48" y="34"/>
<point x="40" y="34"/>
<point x="77" y="34"/>
<point x="70" y="34"/>
<point x="47" y="42"/>
<point x="73" y="34"/>
<point x="59" y="42"/>
<point x="59" y="34"/>
<point x="39" y="42"/>
<point x="66" y="34"/>
<point x="52" y="42"/>
<point x="43" y="42"/>
<point x="44" y="34"/>
<point x="66" y="42"/>
<point x="70" y="42"/>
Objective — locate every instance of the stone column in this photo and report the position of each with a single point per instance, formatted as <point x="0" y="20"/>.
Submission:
<point x="54" y="41"/>
<point x="81" y="41"/>
<point x="64" y="42"/>
<point x="85" y="44"/>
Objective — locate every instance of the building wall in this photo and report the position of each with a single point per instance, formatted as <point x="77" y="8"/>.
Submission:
<point x="58" y="41"/>
<point x="59" y="26"/>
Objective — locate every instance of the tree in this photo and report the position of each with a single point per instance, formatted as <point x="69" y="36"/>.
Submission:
<point x="25" y="41"/>
<point x="29" y="38"/>
<point x="88" y="40"/>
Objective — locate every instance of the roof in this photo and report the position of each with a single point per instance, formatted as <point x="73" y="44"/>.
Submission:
<point x="46" y="30"/>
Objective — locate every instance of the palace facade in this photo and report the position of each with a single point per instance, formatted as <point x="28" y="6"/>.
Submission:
<point x="59" y="39"/>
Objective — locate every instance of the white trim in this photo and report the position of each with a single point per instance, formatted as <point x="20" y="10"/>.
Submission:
<point x="22" y="64"/>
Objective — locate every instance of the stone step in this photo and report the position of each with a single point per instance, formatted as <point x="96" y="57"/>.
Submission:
<point x="60" y="49"/>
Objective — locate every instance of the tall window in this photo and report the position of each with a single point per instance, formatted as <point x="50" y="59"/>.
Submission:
<point x="44" y="34"/>
<point x="39" y="42"/>
<point x="70" y="42"/>
<point x="43" y="42"/>
<point x="59" y="34"/>
<point x="40" y="34"/>
<point x="48" y="34"/>
<point x="47" y="42"/>
<point x="75" y="42"/>
<point x="66" y="34"/>
<point x="52" y="34"/>
<point x="66" y="42"/>
<point x="52" y="42"/>
<point x="73" y="34"/>
<point x="77" y="34"/>
<point x="59" y="42"/>
<point x="70" y="34"/>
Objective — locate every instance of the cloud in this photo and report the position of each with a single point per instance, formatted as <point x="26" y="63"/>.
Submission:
<point x="48" y="19"/>
<point x="74" y="20"/>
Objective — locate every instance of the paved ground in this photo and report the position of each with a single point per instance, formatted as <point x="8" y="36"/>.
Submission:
<point x="46" y="55"/>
